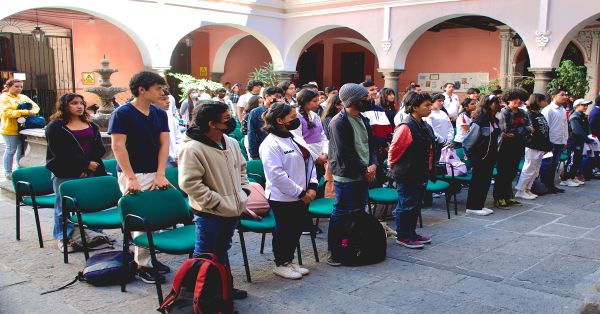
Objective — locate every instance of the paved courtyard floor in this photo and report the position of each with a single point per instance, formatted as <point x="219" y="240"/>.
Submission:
<point x="542" y="257"/>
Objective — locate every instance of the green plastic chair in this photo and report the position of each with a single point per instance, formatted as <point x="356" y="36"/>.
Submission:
<point x="440" y="186"/>
<point x="237" y="134"/>
<point x="90" y="202"/>
<point x="243" y="149"/>
<point x="111" y="167"/>
<point x="255" y="170"/>
<point x="152" y="211"/>
<point x="33" y="187"/>
<point x="384" y="196"/>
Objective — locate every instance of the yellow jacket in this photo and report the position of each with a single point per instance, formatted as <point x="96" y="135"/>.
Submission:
<point x="9" y="113"/>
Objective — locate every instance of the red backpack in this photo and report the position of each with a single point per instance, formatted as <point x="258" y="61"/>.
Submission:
<point x="201" y="285"/>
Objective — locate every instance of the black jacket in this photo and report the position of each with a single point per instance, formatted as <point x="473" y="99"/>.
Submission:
<point x="486" y="144"/>
<point x="413" y="165"/>
<point x="540" y="139"/>
<point x="65" y="157"/>
<point x="579" y="129"/>
<point x="343" y="158"/>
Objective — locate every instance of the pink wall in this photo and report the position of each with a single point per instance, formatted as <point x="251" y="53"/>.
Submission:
<point x="246" y="54"/>
<point x="453" y="50"/>
<point x="200" y="57"/>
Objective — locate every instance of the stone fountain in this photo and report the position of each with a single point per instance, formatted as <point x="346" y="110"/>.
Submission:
<point x="106" y="92"/>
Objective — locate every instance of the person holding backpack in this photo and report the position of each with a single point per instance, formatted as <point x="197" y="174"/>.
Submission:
<point x="481" y="147"/>
<point x="291" y="184"/>
<point x="537" y="145"/>
<point x="410" y="160"/>
<point x="212" y="171"/>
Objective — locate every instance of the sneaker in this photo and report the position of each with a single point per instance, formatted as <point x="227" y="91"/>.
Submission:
<point x="162" y="268"/>
<point x="524" y="195"/>
<point x="146" y="274"/>
<point x="286" y="271"/>
<point x="531" y="194"/>
<point x="299" y="269"/>
<point x="331" y="261"/>
<point x="70" y="249"/>
<point x="410" y="243"/>
<point x="488" y="210"/>
<point x="239" y="294"/>
<point x="514" y="202"/>
<point x="423" y="239"/>
<point x="502" y="203"/>
<point x="479" y="212"/>
<point x="438" y="194"/>
<point x="578" y="181"/>
<point x="569" y="182"/>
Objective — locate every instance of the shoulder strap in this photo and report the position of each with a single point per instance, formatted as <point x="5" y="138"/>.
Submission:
<point x="185" y="267"/>
<point x="79" y="277"/>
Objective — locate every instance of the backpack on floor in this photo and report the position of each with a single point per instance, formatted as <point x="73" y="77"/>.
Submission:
<point x="201" y="285"/>
<point x="366" y="241"/>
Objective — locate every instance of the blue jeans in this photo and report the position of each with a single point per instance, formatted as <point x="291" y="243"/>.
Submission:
<point x="410" y="200"/>
<point x="213" y="235"/>
<point x="548" y="168"/>
<point x="14" y="145"/>
<point x="349" y="197"/>
<point x="57" y="232"/>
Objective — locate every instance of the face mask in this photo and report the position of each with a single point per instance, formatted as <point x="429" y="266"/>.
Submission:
<point x="231" y="125"/>
<point x="293" y="124"/>
<point x="194" y="95"/>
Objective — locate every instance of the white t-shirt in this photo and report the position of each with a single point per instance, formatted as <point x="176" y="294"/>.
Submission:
<point x="440" y="123"/>
<point x="451" y="104"/>
<point x="462" y="120"/>
<point x="243" y="101"/>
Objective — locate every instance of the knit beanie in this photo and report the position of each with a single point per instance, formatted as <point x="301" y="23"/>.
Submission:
<point x="351" y="93"/>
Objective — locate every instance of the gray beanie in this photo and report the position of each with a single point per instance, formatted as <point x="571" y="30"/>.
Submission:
<point x="351" y="93"/>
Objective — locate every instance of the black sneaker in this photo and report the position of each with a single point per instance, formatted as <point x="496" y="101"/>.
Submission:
<point x="333" y="262"/>
<point x="239" y="294"/>
<point x="162" y="268"/>
<point x="146" y="275"/>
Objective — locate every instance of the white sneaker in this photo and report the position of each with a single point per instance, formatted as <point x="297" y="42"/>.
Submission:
<point x="479" y="212"/>
<point x="286" y="271"/>
<point x="576" y="180"/>
<point x="524" y="195"/>
<point x="569" y="182"/>
<point x="70" y="248"/>
<point x="299" y="269"/>
<point x="531" y="194"/>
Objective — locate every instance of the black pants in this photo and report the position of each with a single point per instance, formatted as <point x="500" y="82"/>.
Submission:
<point x="573" y="162"/>
<point x="510" y="154"/>
<point x="480" y="183"/>
<point x="548" y="168"/>
<point x="290" y="220"/>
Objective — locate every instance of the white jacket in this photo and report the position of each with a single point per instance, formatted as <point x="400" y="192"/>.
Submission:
<point x="286" y="171"/>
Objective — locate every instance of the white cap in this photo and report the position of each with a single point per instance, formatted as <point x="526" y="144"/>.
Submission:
<point x="582" y="101"/>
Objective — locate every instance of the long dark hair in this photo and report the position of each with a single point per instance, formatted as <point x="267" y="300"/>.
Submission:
<point x="62" y="109"/>
<point x="484" y="107"/>
<point x="304" y="97"/>
<point x="276" y="111"/>
<point x="383" y="102"/>
<point x="534" y="101"/>
<point x="331" y="107"/>
<point x="252" y="103"/>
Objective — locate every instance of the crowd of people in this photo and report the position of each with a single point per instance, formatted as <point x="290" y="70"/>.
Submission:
<point x="357" y="137"/>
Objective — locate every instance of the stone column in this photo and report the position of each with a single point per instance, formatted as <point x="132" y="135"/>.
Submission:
<point x="504" y="57"/>
<point x="390" y="77"/>
<point x="592" y="65"/>
<point x="286" y="75"/>
<point x="542" y="78"/>
<point x="216" y="76"/>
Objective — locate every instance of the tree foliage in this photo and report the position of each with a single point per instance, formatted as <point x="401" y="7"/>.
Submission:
<point x="571" y="77"/>
<point x="266" y="74"/>
<point x="187" y="82"/>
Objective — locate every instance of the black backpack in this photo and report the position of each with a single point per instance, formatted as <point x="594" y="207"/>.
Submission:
<point x="201" y="285"/>
<point x="366" y="241"/>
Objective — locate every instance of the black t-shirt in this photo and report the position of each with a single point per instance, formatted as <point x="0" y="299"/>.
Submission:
<point x="143" y="135"/>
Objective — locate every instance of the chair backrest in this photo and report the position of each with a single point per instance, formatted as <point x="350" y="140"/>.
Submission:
<point x="111" y="166"/>
<point x="92" y="194"/>
<point x="243" y="149"/>
<point x="172" y="174"/>
<point x="38" y="176"/>
<point x="255" y="170"/>
<point x="160" y="209"/>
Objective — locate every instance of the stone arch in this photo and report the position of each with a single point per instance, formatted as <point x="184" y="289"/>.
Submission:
<point x="95" y="9"/>
<point x="218" y="64"/>
<point x="295" y="50"/>
<point x="572" y="36"/>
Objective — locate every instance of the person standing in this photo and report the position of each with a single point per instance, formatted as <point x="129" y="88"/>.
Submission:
<point x="10" y="100"/>
<point x="352" y="161"/>
<point x="536" y="146"/>
<point x="482" y="151"/>
<point x="451" y="102"/>
<point x="387" y="101"/>
<point x="463" y="122"/>
<point x="311" y="130"/>
<point x="253" y="88"/>
<point x="187" y="106"/>
<point x="440" y="123"/>
<point x="516" y="127"/>
<point x="174" y="130"/>
<point x="213" y="174"/>
<point x="140" y="142"/>
<point x="74" y="151"/>
<point x="556" y="115"/>
<point x="580" y="135"/>
<point x="291" y="184"/>
<point x="256" y="135"/>
<point x="221" y="96"/>
<point x="410" y="162"/>
<point x="289" y="92"/>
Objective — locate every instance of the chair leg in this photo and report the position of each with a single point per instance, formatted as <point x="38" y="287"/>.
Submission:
<point x="64" y="239"/>
<point x="37" y="225"/>
<point x="262" y="243"/>
<point x="447" y="197"/>
<point x="299" y="254"/>
<point x="313" y="235"/>
<point x="455" y="205"/>
<point x="83" y="239"/>
<point x="245" y="256"/>
<point x="155" y="273"/>
<point x="420" y="220"/>
<point x="18" y="217"/>
<point x="125" y="262"/>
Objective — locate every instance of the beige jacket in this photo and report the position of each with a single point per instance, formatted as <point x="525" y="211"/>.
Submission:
<point x="214" y="178"/>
